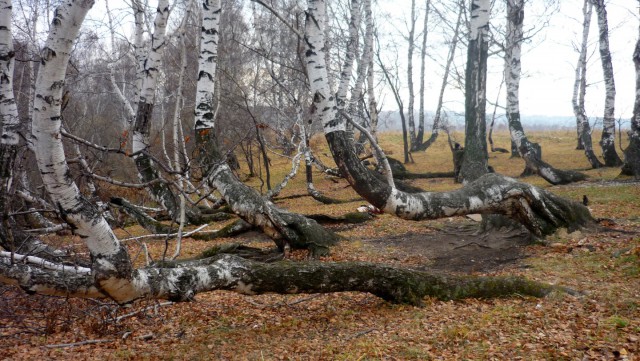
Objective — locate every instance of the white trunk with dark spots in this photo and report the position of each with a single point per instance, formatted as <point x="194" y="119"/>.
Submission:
<point x="540" y="211"/>
<point x="607" y="142"/>
<point x="110" y="260"/>
<point x="512" y="69"/>
<point x="8" y="107"/>
<point x="580" y="89"/>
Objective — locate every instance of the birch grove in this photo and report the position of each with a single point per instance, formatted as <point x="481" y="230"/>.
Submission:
<point x="187" y="164"/>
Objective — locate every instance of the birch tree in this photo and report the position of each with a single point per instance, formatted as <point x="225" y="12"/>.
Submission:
<point x="437" y="118"/>
<point x="580" y="89"/>
<point x="530" y="152"/>
<point x="475" y="158"/>
<point x="607" y="142"/>
<point x="111" y="274"/>
<point x="540" y="211"/>
<point x="8" y="109"/>
<point x="287" y="229"/>
<point x="631" y="164"/>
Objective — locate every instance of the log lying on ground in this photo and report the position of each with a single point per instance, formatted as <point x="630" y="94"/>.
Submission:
<point x="229" y="272"/>
<point x="540" y="211"/>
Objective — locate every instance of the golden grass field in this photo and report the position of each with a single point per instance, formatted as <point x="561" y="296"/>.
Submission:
<point x="604" y="324"/>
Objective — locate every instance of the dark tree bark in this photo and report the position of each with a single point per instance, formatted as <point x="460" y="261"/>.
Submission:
<point x="475" y="159"/>
<point x="286" y="229"/>
<point x="631" y="164"/>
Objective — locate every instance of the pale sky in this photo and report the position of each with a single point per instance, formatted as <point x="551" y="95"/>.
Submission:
<point x="548" y="61"/>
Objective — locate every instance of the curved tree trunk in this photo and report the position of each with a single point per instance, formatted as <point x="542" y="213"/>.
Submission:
<point x="607" y="142"/>
<point x="538" y="210"/>
<point x="512" y="69"/>
<point x="111" y="274"/>
<point x="111" y="265"/>
<point x="285" y="228"/>
<point x="631" y="164"/>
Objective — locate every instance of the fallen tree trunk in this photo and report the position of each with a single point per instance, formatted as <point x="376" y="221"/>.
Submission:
<point x="229" y="272"/>
<point x="540" y="211"/>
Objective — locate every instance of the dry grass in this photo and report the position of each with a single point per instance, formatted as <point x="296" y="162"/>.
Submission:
<point x="602" y="324"/>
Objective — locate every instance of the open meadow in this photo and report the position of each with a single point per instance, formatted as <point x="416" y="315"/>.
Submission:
<point x="602" y="323"/>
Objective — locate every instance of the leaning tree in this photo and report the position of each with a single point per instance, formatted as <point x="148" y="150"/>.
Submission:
<point x="540" y="211"/>
<point x="110" y="272"/>
<point x="530" y="152"/>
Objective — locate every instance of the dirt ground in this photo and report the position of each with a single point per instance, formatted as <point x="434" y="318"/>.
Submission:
<point x="461" y="247"/>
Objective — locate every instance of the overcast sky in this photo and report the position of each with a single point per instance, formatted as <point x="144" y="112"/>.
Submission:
<point x="549" y="60"/>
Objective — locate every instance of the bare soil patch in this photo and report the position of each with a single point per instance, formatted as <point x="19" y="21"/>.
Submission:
<point x="460" y="247"/>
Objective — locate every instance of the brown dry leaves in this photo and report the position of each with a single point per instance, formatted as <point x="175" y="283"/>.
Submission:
<point x="603" y="324"/>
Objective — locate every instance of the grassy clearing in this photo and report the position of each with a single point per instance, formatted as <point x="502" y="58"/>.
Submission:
<point x="602" y="324"/>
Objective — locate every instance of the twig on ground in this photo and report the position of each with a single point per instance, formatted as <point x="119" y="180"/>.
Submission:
<point x="80" y="343"/>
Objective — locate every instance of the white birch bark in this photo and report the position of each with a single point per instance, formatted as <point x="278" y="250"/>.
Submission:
<point x="324" y="103"/>
<point x="138" y="8"/>
<point x="350" y="55"/>
<point x="538" y="210"/>
<point x="8" y="106"/>
<point x="371" y="95"/>
<point x="580" y="90"/>
<point x="112" y="266"/>
<point x="207" y="63"/>
<point x="151" y="72"/>
<point x="411" y="123"/>
<point x="607" y="142"/>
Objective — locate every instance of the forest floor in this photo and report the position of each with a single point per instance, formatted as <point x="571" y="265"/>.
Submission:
<point x="603" y="264"/>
